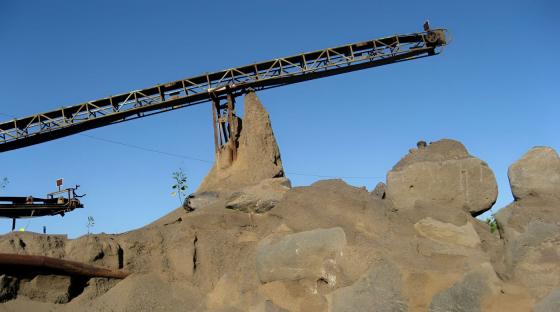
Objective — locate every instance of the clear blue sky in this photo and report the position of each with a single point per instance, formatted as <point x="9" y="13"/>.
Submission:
<point x="495" y="88"/>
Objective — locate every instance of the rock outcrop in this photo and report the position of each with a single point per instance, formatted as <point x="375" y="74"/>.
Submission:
<point x="380" y="190"/>
<point x="536" y="174"/>
<point x="200" y="200"/>
<point x="442" y="174"/>
<point x="258" y="155"/>
<point x="530" y="226"/>
<point x="299" y="256"/>
<point x="248" y="241"/>
<point x="259" y="198"/>
<point x="448" y="233"/>
<point x="467" y="295"/>
<point x="378" y="290"/>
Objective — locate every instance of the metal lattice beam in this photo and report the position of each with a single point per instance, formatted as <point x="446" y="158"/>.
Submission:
<point x="66" y="121"/>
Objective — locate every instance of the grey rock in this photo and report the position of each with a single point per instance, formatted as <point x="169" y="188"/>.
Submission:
<point x="300" y="255"/>
<point x="550" y="303"/>
<point x="464" y="296"/>
<point x="447" y="233"/>
<point x="441" y="150"/>
<point x="269" y="306"/>
<point x="200" y="200"/>
<point x="259" y="198"/>
<point x="8" y="288"/>
<point x="537" y="174"/>
<point x="378" y="290"/>
<point x="379" y="190"/>
<point x="532" y="257"/>
<point x="442" y="174"/>
<point x="530" y="226"/>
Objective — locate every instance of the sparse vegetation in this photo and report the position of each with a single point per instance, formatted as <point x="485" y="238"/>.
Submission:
<point x="180" y="185"/>
<point x="90" y="224"/>
<point x="492" y="223"/>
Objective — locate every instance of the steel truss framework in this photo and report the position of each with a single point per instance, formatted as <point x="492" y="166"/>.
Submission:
<point x="216" y="86"/>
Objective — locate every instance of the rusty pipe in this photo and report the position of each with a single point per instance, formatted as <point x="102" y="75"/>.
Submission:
<point x="64" y="266"/>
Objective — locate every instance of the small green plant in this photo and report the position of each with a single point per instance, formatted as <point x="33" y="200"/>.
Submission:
<point x="492" y="223"/>
<point x="90" y="223"/>
<point x="180" y="185"/>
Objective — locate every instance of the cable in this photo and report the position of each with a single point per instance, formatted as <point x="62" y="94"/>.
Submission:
<point x="331" y="177"/>
<point x="210" y="162"/>
<point x="146" y="149"/>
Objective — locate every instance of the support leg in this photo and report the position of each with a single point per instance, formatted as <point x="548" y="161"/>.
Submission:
<point x="232" y="124"/>
<point x="13" y="224"/>
<point x="215" y="108"/>
<point x="225" y="123"/>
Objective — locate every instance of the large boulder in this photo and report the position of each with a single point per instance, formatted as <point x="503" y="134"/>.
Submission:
<point x="200" y="200"/>
<point x="378" y="290"/>
<point x="467" y="295"/>
<point x="530" y="226"/>
<point x="258" y="155"/>
<point x="448" y="233"/>
<point x="300" y="255"/>
<point x="261" y="197"/>
<point x="442" y="174"/>
<point x="532" y="257"/>
<point x="537" y="173"/>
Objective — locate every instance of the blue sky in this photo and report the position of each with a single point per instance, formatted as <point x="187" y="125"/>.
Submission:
<point x="495" y="88"/>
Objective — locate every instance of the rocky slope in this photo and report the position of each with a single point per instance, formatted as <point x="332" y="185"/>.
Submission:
<point x="247" y="241"/>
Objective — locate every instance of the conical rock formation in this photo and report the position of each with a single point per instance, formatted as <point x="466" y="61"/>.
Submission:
<point x="258" y="155"/>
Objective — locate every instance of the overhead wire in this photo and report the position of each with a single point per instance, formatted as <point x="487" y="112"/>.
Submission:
<point x="208" y="161"/>
<point x="146" y="149"/>
<point x="181" y="156"/>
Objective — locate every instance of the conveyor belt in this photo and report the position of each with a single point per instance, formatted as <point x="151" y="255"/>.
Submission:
<point x="38" y="128"/>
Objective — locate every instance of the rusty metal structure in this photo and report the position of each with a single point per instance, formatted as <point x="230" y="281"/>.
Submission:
<point x="56" y="203"/>
<point x="16" y="262"/>
<point x="220" y="88"/>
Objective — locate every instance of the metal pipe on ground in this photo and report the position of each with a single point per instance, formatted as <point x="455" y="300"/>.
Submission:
<point x="66" y="267"/>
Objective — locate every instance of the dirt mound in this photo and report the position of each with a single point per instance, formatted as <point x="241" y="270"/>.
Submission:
<point x="249" y="242"/>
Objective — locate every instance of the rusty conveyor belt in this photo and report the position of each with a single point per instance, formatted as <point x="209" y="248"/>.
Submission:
<point x="211" y="87"/>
